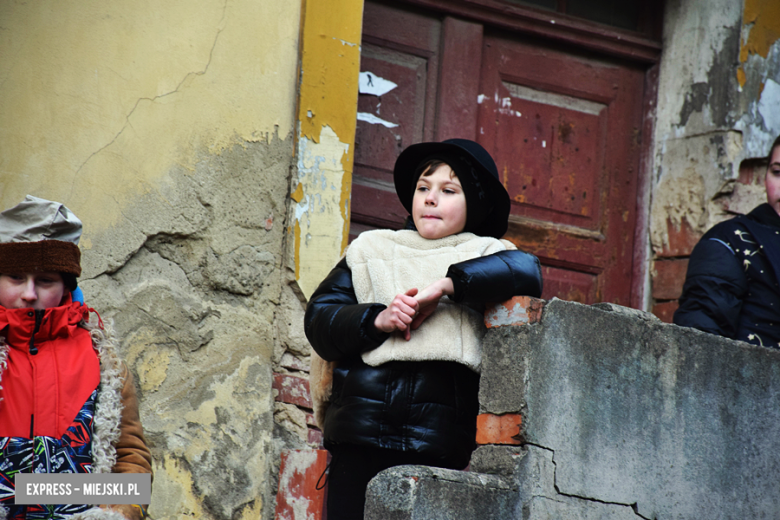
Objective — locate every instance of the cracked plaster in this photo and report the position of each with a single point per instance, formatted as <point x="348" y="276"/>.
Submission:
<point x="152" y="131"/>
<point x="197" y="306"/>
<point x="719" y="69"/>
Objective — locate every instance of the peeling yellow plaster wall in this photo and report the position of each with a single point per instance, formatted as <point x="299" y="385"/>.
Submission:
<point x="99" y="100"/>
<point x="327" y="112"/>
<point x="761" y="29"/>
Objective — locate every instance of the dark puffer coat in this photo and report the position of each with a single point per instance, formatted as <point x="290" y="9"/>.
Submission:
<point x="428" y="407"/>
<point x="731" y="288"/>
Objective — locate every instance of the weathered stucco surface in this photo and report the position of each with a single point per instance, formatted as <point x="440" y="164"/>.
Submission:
<point x="695" y="153"/>
<point x="719" y="88"/>
<point x="168" y="129"/>
<point x="759" y="75"/>
<point x="718" y="93"/>
<point x="327" y="116"/>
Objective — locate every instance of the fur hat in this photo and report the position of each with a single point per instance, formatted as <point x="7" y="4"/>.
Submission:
<point x="39" y="235"/>
<point x="487" y="200"/>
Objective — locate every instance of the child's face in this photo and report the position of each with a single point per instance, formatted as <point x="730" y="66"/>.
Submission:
<point x="439" y="204"/>
<point x="772" y="180"/>
<point x="31" y="290"/>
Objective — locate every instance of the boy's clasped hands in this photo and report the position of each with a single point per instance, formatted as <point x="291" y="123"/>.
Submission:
<point x="408" y="310"/>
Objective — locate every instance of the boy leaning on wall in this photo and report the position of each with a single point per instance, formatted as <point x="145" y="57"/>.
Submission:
<point x="397" y="325"/>
<point x="67" y="401"/>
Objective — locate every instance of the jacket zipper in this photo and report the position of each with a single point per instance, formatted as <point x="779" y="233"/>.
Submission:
<point x="38" y="318"/>
<point x="33" y="351"/>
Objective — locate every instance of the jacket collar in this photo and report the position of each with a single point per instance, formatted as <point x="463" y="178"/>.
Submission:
<point x="765" y="214"/>
<point x="18" y="325"/>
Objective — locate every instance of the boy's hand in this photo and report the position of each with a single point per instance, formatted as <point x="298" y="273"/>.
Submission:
<point x="429" y="298"/>
<point x="399" y="314"/>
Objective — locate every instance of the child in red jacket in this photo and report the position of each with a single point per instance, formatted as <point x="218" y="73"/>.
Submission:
<point x="67" y="401"/>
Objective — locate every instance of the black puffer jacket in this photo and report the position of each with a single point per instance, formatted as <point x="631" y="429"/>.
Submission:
<point x="428" y="407"/>
<point x="732" y="288"/>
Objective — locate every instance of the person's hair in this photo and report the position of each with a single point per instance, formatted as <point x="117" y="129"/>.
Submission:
<point x="70" y="281"/>
<point x="772" y="149"/>
<point x="428" y="167"/>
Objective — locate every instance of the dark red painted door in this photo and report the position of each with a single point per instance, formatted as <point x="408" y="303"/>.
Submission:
<point x="563" y="129"/>
<point x="564" y="132"/>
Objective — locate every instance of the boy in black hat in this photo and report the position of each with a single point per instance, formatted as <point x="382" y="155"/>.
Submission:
<point x="67" y="401"/>
<point x="396" y="371"/>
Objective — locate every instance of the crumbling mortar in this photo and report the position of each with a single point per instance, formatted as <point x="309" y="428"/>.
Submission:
<point x="634" y="507"/>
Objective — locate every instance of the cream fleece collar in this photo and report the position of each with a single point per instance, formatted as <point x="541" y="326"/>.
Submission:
<point x="385" y="263"/>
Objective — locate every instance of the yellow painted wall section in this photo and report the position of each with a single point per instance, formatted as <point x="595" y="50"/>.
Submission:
<point x="99" y="100"/>
<point x="761" y="21"/>
<point x="169" y="129"/>
<point x="327" y="112"/>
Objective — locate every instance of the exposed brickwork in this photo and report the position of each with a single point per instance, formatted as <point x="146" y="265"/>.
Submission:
<point x="682" y="240"/>
<point x="668" y="278"/>
<point x="315" y="437"/>
<point x="293" y="390"/>
<point x="499" y="429"/>
<point x="299" y="474"/>
<point x="520" y="310"/>
<point x="665" y="310"/>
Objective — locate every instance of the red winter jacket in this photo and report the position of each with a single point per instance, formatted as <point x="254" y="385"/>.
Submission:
<point x="50" y="371"/>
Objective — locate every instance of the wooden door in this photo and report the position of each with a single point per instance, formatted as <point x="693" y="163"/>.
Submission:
<point x="564" y="131"/>
<point x="563" y="127"/>
<point x="401" y="47"/>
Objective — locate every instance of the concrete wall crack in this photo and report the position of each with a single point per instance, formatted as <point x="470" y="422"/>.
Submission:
<point x="634" y="507"/>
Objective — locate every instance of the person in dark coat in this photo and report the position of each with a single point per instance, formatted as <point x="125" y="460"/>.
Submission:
<point x="731" y="287"/>
<point x="395" y="369"/>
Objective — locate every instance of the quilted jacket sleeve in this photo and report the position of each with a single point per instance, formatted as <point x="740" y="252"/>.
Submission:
<point x="335" y="323"/>
<point x="715" y="286"/>
<point x="496" y="277"/>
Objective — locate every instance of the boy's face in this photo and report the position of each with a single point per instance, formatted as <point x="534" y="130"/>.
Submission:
<point x="439" y="204"/>
<point x="772" y="181"/>
<point x="31" y="290"/>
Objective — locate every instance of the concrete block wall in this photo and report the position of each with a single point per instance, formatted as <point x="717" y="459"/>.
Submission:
<point x="620" y="416"/>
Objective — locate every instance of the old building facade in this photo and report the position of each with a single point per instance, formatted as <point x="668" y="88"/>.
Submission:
<point x="209" y="148"/>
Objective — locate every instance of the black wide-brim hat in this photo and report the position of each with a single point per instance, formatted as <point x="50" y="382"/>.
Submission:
<point x="407" y="164"/>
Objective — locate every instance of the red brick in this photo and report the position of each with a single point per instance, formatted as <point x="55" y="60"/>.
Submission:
<point x="681" y="239"/>
<point x="520" y="310"/>
<point x="668" y="278"/>
<point x="292" y="390"/>
<point x="299" y="473"/>
<point x="499" y="429"/>
<point x="315" y="437"/>
<point x="665" y="310"/>
<point x="752" y="171"/>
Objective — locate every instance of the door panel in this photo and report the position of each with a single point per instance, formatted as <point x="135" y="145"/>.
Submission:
<point x="401" y="47"/>
<point x="562" y="129"/>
